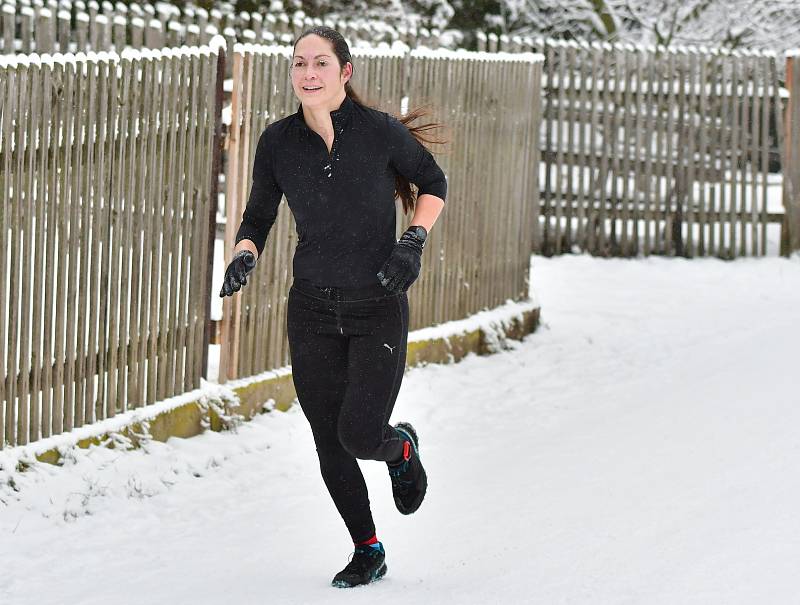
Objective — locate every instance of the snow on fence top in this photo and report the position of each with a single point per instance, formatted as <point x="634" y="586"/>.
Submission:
<point x="387" y="52"/>
<point x="674" y="49"/>
<point x="246" y="47"/>
<point x="381" y="51"/>
<point x="443" y="53"/>
<point x="130" y="54"/>
<point x="275" y="49"/>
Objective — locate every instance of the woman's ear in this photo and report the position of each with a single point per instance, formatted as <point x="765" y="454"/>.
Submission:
<point x="347" y="71"/>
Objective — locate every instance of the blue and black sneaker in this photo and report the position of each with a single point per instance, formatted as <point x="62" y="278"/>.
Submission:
<point x="367" y="565"/>
<point x="409" y="481"/>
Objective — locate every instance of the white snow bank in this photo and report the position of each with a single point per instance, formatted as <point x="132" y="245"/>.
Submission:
<point x="492" y="320"/>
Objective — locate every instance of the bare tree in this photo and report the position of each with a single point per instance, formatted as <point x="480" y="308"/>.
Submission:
<point x="773" y="24"/>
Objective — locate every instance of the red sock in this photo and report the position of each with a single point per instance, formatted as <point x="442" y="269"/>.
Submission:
<point x="370" y="542"/>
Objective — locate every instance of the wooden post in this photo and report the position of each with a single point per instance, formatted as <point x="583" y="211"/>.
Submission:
<point x="137" y="32"/>
<point x="103" y="28"/>
<point x="175" y="34"/>
<point x="257" y="24"/>
<point x="230" y="307"/>
<point x="27" y="25"/>
<point x="493" y="43"/>
<point x="43" y="33"/>
<point x="81" y="31"/>
<point x="503" y="42"/>
<point x="193" y="35"/>
<point x="481" y="40"/>
<point x="790" y="240"/>
<point x="9" y="25"/>
<point x="119" y="33"/>
<point x="201" y="19"/>
<point x="216" y="163"/>
<point x="230" y="39"/>
<point x="153" y="34"/>
<point x="6" y="81"/>
<point x="64" y="30"/>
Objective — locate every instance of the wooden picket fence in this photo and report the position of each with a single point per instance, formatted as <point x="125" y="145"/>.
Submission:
<point x="658" y="151"/>
<point x="478" y="254"/>
<point x="105" y="221"/>
<point x="107" y="216"/>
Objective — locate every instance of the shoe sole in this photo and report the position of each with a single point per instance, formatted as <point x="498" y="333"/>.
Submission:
<point x="377" y="575"/>
<point x="409" y="430"/>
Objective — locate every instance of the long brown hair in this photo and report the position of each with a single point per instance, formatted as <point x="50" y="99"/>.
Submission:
<point x="424" y="132"/>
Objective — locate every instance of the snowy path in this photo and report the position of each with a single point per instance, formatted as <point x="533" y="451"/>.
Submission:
<point x="641" y="447"/>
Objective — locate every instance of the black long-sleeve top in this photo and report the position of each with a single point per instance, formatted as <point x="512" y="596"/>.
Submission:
<point x="342" y="201"/>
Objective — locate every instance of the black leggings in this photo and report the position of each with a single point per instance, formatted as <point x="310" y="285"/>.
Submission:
<point x="348" y="351"/>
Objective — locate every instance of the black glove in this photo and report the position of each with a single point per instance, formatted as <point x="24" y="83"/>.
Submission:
<point x="402" y="267"/>
<point x="236" y="273"/>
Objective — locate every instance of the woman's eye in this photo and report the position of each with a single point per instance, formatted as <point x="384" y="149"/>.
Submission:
<point x="323" y="63"/>
<point x="298" y="64"/>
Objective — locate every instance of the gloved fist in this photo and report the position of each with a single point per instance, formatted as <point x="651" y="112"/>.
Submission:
<point x="236" y="273"/>
<point x="402" y="267"/>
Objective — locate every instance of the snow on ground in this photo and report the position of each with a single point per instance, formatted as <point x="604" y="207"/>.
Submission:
<point x="640" y="447"/>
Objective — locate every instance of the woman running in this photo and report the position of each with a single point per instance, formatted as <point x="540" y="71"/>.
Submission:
<point x="341" y="165"/>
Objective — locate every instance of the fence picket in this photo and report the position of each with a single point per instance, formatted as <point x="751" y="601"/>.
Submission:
<point x="550" y="119"/>
<point x="6" y="78"/>
<point x="703" y="111"/>
<point x="628" y="206"/>
<point x="15" y="392"/>
<point x="741" y="168"/>
<point x="570" y="156"/>
<point x="733" y="166"/>
<point x="176" y="206"/>
<point x="142" y="71"/>
<point x="28" y="399"/>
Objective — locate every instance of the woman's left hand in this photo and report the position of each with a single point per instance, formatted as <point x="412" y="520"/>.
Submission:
<point x="236" y="273"/>
<point x="402" y="267"/>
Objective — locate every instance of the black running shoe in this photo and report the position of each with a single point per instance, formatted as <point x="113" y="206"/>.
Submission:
<point x="367" y="565"/>
<point x="409" y="481"/>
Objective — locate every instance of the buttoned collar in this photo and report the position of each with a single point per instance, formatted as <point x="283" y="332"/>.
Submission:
<point x="338" y="116"/>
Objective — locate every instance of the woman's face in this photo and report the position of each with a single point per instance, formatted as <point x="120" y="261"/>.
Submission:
<point x="317" y="78"/>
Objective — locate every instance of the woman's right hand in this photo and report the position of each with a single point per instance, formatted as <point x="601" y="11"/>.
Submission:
<point x="236" y="273"/>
